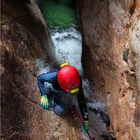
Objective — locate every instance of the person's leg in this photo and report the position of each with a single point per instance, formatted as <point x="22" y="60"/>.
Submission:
<point x="55" y="102"/>
<point x="59" y="110"/>
<point x="62" y="108"/>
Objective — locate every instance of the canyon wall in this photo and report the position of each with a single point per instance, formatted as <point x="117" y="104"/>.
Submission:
<point x="24" y="35"/>
<point x="111" y="60"/>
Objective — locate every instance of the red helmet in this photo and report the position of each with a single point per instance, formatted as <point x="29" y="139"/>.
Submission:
<point x="68" y="78"/>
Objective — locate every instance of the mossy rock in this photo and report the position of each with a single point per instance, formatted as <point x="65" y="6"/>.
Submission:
<point x="58" y="15"/>
<point x="66" y="2"/>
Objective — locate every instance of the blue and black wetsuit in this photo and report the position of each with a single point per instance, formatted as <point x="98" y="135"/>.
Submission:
<point x="51" y="77"/>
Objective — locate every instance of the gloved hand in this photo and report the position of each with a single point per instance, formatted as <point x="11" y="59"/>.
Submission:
<point x="85" y="126"/>
<point x="44" y="102"/>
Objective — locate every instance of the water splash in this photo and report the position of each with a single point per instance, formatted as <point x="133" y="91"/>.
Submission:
<point x="97" y="105"/>
<point x="42" y="66"/>
<point x="86" y="88"/>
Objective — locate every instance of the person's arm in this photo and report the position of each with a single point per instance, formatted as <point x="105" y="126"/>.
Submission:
<point x="45" y="77"/>
<point x="83" y="108"/>
<point x="82" y="103"/>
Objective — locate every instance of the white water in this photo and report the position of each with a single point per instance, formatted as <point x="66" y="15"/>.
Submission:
<point x="42" y="66"/>
<point x="67" y="47"/>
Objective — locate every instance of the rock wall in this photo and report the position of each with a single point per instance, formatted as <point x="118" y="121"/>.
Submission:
<point x="24" y="35"/>
<point x="111" y="59"/>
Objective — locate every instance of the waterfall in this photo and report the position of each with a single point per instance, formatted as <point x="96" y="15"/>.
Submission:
<point x="67" y="47"/>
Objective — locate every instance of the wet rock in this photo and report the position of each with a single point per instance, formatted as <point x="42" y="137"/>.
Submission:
<point x="110" y="28"/>
<point x="24" y="35"/>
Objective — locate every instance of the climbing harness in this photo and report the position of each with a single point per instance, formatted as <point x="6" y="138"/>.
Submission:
<point x="76" y="116"/>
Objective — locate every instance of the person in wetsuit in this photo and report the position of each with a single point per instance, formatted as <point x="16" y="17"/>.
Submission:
<point x="68" y="80"/>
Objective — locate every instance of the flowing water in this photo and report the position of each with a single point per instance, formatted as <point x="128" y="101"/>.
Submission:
<point x="67" y="47"/>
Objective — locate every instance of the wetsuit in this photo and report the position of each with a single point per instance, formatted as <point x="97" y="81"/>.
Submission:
<point x="51" y="77"/>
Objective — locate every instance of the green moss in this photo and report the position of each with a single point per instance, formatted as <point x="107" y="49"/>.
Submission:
<point x="58" y="15"/>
